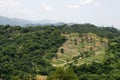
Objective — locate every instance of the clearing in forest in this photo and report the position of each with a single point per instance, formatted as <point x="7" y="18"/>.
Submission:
<point x="79" y="49"/>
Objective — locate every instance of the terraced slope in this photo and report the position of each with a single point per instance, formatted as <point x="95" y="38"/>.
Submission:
<point x="79" y="49"/>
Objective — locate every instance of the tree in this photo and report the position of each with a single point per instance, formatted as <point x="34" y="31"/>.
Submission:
<point x="62" y="50"/>
<point x="75" y="41"/>
<point x="62" y="74"/>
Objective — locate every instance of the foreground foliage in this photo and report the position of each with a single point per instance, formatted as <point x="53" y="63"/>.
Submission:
<point x="62" y="74"/>
<point x="26" y="51"/>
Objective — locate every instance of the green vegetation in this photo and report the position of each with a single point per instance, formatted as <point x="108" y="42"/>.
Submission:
<point x="77" y="52"/>
<point x="62" y="74"/>
<point x="27" y="51"/>
<point x="84" y="52"/>
<point x="108" y="70"/>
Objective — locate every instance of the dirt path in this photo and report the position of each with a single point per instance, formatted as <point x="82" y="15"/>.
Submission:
<point x="58" y="65"/>
<point x="70" y="50"/>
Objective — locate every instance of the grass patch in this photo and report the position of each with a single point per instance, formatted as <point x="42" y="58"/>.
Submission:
<point x="71" y="49"/>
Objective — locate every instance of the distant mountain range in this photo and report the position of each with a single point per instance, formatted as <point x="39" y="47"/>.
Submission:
<point x="22" y="22"/>
<point x="13" y="21"/>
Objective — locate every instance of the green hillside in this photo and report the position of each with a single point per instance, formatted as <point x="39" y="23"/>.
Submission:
<point x="61" y="52"/>
<point x="80" y="49"/>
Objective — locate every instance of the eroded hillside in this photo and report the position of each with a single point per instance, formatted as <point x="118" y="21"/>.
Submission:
<point x="80" y="48"/>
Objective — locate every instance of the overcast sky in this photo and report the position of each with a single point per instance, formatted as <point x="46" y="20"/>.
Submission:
<point x="98" y="12"/>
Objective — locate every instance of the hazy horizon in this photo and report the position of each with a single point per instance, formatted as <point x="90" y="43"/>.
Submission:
<point x="98" y="12"/>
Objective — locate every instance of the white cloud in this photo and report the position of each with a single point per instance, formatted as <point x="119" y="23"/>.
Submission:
<point x="85" y="2"/>
<point x="90" y="2"/>
<point x="80" y="3"/>
<point x="8" y="3"/>
<point x="19" y="13"/>
<point x="47" y="7"/>
<point x="13" y="8"/>
<point x="73" y="6"/>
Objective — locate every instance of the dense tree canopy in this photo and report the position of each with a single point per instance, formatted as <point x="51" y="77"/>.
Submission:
<point x="62" y="74"/>
<point x="26" y="51"/>
<point x="108" y="32"/>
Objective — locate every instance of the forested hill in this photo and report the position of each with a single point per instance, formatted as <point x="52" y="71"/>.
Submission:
<point x="107" y="32"/>
<point x="28" y="51"/>
<point x="25" y="51"/>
